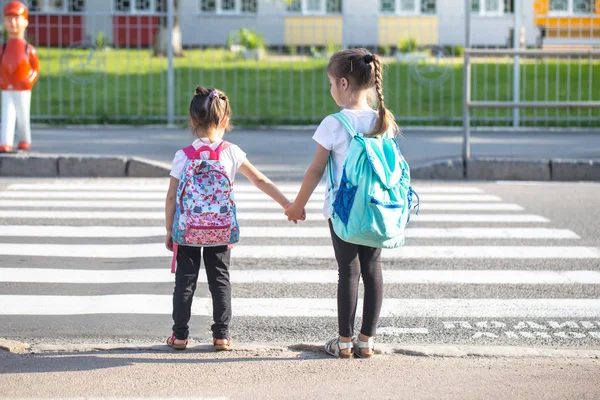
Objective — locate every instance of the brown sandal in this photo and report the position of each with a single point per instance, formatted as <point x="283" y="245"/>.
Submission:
<point x="222" y="346"/>
<point x="171" y="343"/>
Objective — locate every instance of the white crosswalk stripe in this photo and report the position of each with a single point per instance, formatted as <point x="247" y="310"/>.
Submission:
<point x="70" y="248"/>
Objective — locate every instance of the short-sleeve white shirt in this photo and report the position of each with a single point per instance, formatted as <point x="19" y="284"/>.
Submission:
<point x="231" y="158"/>
<point x="333" y="136"/>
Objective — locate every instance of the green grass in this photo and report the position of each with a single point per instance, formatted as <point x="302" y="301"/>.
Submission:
<point x="131" y="88"/>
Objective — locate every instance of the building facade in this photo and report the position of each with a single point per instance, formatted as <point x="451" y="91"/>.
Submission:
<point x="374" y="23"/>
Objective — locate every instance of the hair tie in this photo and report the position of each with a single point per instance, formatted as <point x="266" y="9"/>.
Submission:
<point x="368" y="58"/>
<point x="212" y="94"/>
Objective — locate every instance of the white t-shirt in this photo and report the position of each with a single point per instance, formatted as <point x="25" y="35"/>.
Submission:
<point x="231" y="158"/>
<point x="334" y="137"/>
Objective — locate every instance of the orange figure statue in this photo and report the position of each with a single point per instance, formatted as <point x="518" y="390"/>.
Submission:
<point x="19" y="70"/>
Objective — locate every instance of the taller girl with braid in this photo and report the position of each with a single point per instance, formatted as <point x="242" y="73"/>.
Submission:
<point x="353" y="74"/>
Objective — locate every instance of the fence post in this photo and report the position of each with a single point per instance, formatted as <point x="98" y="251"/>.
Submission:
<point x="170" y="71"/>
<point x="466" y="151"/>
<point x="516" y="61"/>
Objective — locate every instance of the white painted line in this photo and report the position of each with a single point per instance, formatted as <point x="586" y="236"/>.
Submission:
<point x="148" y="204"/>
<point x="302" y="307"/>
<point x="61" y="231"/>
<point x="461" y="233"/>
<point x="427" y="252"/>
<point x="279" y="232"/>
<point x="498" y="218"/>
<point x="126" y="184"/>
<point x="128" y="215"/>
<point x="148" y="250"/>
<point x="315" y="205"/>
<point x="393" y="331"/>
<point x="329" y="276"/>
<point x="133" y="195"/>
<point x="260" y="216"/>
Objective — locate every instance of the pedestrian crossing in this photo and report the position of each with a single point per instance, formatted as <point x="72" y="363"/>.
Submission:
<point x="95" y="248"/>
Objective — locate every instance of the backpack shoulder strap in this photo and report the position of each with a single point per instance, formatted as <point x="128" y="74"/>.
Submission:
<point x="341" y="117"/>
<point x="190" y="152"/>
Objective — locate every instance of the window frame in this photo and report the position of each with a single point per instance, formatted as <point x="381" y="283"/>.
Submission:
<point x="483" y="12"/>
<point x="43" y="7"/>
<point x="134" y="11"/>
<point x="570" y="11"/>
<point x="305" y="11"/>
<point x="219" y="9"/>
<point x="417" y="10"/>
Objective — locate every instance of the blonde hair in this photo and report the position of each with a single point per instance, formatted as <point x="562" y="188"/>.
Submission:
<point x="363" y="71"/>
<point x="208" y="109"/>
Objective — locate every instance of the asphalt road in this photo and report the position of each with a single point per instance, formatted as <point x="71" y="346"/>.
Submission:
<point x="518" y="265"/>
<point x="285" y="154"/>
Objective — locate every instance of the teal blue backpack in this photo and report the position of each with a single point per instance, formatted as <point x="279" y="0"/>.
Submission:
<point x="372" y="205"/>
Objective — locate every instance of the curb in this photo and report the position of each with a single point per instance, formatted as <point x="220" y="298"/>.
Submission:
<point x="510" y="169"/>
<point x="74" y="166"/>
<point x="451" y="351"/>
<point x="12" y="346"/>
<point x="476" y="168"/>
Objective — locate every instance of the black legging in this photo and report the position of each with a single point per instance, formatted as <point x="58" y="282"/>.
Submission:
<point x="353" y="261"/>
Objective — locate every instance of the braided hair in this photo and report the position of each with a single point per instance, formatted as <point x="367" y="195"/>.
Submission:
<point x="364" y="71"/>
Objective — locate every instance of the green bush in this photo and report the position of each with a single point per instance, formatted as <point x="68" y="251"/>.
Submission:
<point x="247" y="38"/>
<point x="100" y="41"/>
<point x="409" y="45"/>
<point x="385" y="51"/>
<point x="455" y="51"/>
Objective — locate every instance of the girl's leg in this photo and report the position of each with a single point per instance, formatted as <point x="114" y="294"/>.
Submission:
<point x="186" y="276"/>
<point x="216" y="262"/>
<point x="346" y="255"/>
<point x="370" y="264"/>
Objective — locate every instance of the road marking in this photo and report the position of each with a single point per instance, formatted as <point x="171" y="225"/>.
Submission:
<point x="57" y="231"/>
<point x="302" y="307"/>
<point x="433" y="277"/>
<point x="149" y="250"/>
<point x="145" y="186"/>
<point x="241" y="205"/>
<point x="258" y="216"/>
<point x="393" y="331"/>
<point x="133" y="195"/>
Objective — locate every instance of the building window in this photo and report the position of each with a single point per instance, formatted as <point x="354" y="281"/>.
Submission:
<point x="408" y="6"/>
<point x="55" y="6"/>
<point x="228" y="6"/>
<point x="136" y="6"/>
<point x="315" y="7"/>
<point x="571" y="7"/>
<point x="490" y="7"/>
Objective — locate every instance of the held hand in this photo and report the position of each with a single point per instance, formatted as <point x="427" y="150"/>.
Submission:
<point x="295" y="213"/>
<point x="169" y="242"/>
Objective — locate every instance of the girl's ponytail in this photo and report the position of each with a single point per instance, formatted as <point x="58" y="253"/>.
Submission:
<point x="385" y="119"/>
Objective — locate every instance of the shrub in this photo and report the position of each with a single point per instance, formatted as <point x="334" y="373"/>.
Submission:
<point x="246" y="38"/>
<point x="409" y="45"/>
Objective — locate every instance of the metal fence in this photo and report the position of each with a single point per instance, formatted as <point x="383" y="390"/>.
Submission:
<point x="112" y="65"/>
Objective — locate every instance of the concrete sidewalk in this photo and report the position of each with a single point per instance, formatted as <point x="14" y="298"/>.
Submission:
<point x="288" y="374"/>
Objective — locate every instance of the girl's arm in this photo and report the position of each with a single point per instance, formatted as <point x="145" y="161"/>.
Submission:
<point x="170" y="210"/>
<point x="313" y="176"/>
<point x="263" y="183"/>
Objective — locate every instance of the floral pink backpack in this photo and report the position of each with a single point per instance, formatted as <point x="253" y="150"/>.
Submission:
<point x="205" y="214"/>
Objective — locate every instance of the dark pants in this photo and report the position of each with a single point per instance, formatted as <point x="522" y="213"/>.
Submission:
<point x="216" y="262"/>
<point x="353" y="261"/>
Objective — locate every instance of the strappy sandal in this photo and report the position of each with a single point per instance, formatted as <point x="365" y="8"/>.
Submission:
<point x="369" y="344"/>
<point x="171" y="343"/>
<point x="222" y="346"/>
<point x="338" y="346"/>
